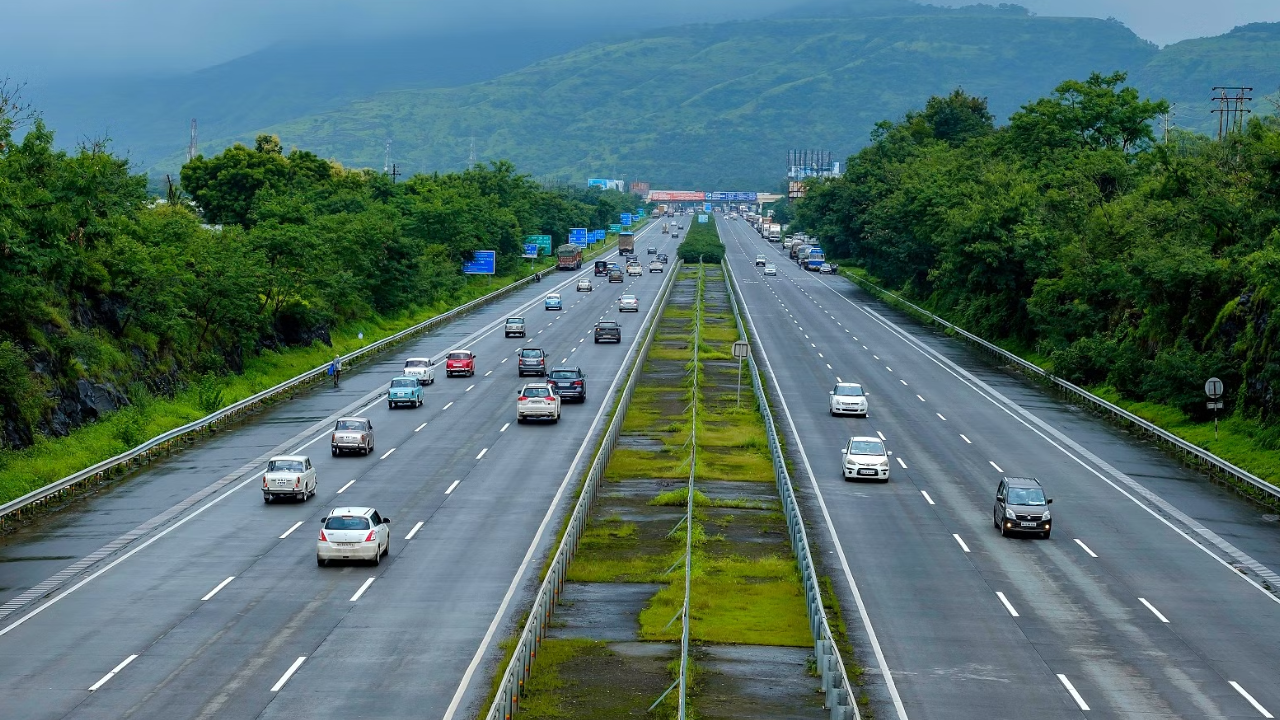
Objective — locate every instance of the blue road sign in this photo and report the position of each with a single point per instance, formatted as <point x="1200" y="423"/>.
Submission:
<point x="626" y="219"/>
<point x="732" y="196"/>
<point x="483" y="262"/>
<point x="578" y="236"/>
<point x="531" y="250"/>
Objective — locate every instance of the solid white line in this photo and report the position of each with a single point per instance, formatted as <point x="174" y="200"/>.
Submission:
<point x="940" y="416"/>
<point x="904" y="465"/>
<point x="363" y="587"/>
<point x="446" y="407"/>
<point x="1256" y="705"/>
<point x="504" y="427"/>
<point x="288" y="532"/>
<point x="482" y="452"/>
<point x="966" y="439"/>
<point x="310" y="443"/>
<point x="452" y="486"/>
<point x="344" y="487"/>
<point x="288" y="674"/>
<point x="469" y="387"/>
<point x="997" y="467"/>
<point x="1086" y="548"/>
<point x="415" y="530"/>
<point x="1153" y="610"/>
<point x="1009" y="606"/>
<point x="1072" y="689"/>
<point x="385" y="454"/>
<point x="420" y="427"/>
<point x="927" y="498"/>
<point x="220" y="585"/>
<point x="882" y="437"/>
<point x="965" y="548"/>
<point x="122" y="665"/>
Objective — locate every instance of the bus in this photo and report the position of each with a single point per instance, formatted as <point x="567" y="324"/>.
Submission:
<point x="813" y="263"/>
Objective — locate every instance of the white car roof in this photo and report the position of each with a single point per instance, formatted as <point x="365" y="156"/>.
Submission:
<point x="353" y="417"/>
<point x="457" y="351"/>
<point x="350" y="511"/>
<point x="845" y="384"/>
<point x="416" y="359"/>
<point x="864" y="438"/>
<point x="553" y="295"/>
<point x="299" y="458"/>
<point x="538" y="385"/>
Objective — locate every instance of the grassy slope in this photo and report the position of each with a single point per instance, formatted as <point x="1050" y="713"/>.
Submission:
<point x="719" y="105"/>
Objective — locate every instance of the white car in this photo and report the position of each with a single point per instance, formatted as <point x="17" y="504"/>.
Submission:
<point x="634" y="269"/>
<point x="770" y="269"/>
<point x="761" y="261"/>
<point x="352" y="434"/>
<point x="865" y="457"/>
<point x="584" y="285"/>
<point x="537" y="400"/>
<point x="422" y="369"/>
<point x="848" y="399"/>
<point x="353" y="533"/>
<point x="628" y="303"/>
<point x="289" y="476"/>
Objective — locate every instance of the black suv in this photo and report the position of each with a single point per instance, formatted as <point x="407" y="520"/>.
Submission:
<point x="1022" y="507"/>
<point x="615" y="275"/>
<point x="533" y="361"/>
<point x="662" y="257"/>
<point x="608" y="330"/>
<point x="569" y="382"/>
<point x="653" y="251"/>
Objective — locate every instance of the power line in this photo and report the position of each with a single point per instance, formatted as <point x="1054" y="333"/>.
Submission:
<point x="1231" y="108"/>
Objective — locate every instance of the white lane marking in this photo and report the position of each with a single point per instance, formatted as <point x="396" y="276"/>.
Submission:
<point x="218" y="587"/>
<point x="997" y="467"/>
<point x="300" y="448"/>
<point x="288" y="674"/>
<point x="940" y="416"/>
<point x="964" y="547"/>
<point x="1086" y="548"/>
<point x="504" y="427"/>
<point x="806" y="337"/>
<point x="449" y="405"/>
<point x="420" y="427"/>
<point x="482" y="452"/>
<point x="385" y="454"/>
<point x="875" y="356"/>
<point x="864" y="347"/>
<point x="1153" y="610"/>
<point x="855" y="337"/>
<point x="469" y="387"/>
<point x="122" y="666"/>
<point x="838" y="379"/>
<point x="564" y="360"/>
<point x="886" y="367"/>
<point x="453" y="485"/>
<point x="1256" y="705"/>
<point x="539" y="332"/>
<point x="966" y="439"/>
<point x="572" y="350"/>
<point x="581" y="339"/>
<point x="812" y="345"/>
<point x="882" y="437"/>
<point x="488" y="373"/>
<point x="1008" y="605"/>
<point x="829" y="366"/>
<point x="344" y="487"/>
<point x="904" y="382"/>
<point x="819" y="354"/>
<point x="288" y="532"/>
<point x="363" y="587"/>
<point x="1072" y="689"/>
<point x="927" y="498"/>
<point x="904" y="465"/>
<point x="506" y="359"/>
<point x="415" y="530"/>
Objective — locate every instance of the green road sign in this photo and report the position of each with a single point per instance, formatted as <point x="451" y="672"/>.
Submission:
<point x="542" y="241"/>
<point x="615" y="228"/>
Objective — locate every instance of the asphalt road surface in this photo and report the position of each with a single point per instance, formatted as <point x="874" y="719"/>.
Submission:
<point x="1149" y="600"/>
<point x="181" y="594"/>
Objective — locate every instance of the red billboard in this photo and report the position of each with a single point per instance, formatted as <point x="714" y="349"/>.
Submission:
<point x="676" y="196"/>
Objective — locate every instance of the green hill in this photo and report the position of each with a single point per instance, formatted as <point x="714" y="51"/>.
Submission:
<point x="719" y="105"/>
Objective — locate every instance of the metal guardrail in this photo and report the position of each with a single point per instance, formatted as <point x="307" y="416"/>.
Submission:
<point x="835" y="678"/>
<point x="512" y="683"/>
<point x="165" y="444"/>
<point x="1246" y="481"/>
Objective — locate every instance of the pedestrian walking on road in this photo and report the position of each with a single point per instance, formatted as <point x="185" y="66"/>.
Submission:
<point x="335" y="369"/>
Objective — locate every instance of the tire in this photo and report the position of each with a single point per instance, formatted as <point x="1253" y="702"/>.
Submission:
<point x="555" y="419"/>
<point x="419" y="402"/>
<point x="1002" y="531"/>
<point x="391" y="405"/>
<point x="377" y="559"/>
<point x="833" y="413"/>
<point x="386" y="551"/>
<point x="519" y="419"/>
<point x="321" y="561"/>
<point x="1045" y="535"/>
<point x="266" y="498"/>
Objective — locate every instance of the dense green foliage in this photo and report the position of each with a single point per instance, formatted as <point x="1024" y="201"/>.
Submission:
<point x="108" y="296"/>
<point x="1072" y="234"/>
<point x="701" y="243"/>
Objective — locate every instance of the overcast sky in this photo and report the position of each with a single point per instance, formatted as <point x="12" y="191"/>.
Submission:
<point x="50" y="38"/>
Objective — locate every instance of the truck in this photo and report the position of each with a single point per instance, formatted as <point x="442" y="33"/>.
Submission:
<point x="626" y="242"/>
<point x="774" y="233"/>
<point x="795" y="248"/>
<point x="568" y="257"/>
<point x="813" y="261"/>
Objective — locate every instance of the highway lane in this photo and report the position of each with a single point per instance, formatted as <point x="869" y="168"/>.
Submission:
<point x="471" y="486"/>
<point x="941" y="587"/>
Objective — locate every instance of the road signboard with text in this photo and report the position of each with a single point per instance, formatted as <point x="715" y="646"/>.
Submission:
<point x="531" y="250"/>
<point x="482" y="262"/>
<point x="626" y="219"/>
<point x="578" y="236"/>
<point x="615" y="229"/>
<point x="542" y="241"/>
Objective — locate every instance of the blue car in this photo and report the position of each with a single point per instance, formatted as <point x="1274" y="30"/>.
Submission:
<point x="404" y="391"/>
<point x="552" y="302"/>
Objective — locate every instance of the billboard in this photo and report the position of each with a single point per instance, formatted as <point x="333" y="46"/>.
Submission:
<point x="482" y="262"/>
<point x="578" y="236"/>
<point x="626" y="219"/>
<point x="795" y="189"/>
<point x="542" y="241"/>
<point x="732" y="196"/>
<point x="676" y="196"/>
<point x="639" y="187"/>
<point x="604" y="184"/>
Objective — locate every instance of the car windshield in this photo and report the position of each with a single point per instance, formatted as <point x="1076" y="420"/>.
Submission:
<point x="293" y="466"/>
<point x="346" y="522"/>
<point x="606" y="324"/>
<point x="628" y="298"/>
<point x="404" y="382"/>
<point x="350" y="425"/>
<point x="866" y="447"/>
<point x="515" y="321"/>
<point x="417" y="364"/>
<point x="848" y="390"/>
<point x="536" y="392"/>
<point x="1026" y="496"/>
<point x="563" y="374"/>
<point x="459" y="356"/>
<point x="530" y="353"/>
<point x="553" y="297"/>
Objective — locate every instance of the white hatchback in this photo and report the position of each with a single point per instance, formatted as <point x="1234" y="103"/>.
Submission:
<point x="538" y="401"/>
<point x="353" y="533"/>
<point x="289" y="476"/>
<point x="848" y="399"/>
<point x="866" y="458"/>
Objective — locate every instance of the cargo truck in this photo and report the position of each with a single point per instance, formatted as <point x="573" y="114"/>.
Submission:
<point x="775" y="232"/>
<point x="626" y="242"/>
<point x="569" y="257"/>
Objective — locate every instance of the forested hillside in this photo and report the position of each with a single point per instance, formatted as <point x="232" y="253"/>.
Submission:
<point x="1125" y="263"/>
<point x="108" y="297"/>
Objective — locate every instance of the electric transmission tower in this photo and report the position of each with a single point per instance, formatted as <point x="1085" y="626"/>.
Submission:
<point x="1231" y="108"/>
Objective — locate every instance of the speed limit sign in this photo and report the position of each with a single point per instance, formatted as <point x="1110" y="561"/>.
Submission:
<point x="1213" y="388"/>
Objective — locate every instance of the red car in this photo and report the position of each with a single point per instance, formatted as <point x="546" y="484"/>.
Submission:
<point x="460" y="362"/>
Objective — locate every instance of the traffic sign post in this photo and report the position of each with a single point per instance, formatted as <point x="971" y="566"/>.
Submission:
<point x="1213" y="388"/>
<point x="740" y="350"/>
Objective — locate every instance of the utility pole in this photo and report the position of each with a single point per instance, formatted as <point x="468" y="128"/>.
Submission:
<point x="1231" y="108"/>
<point x="395" y="172"/>
<point x="1167" y="117"/>
<point x="191" y="146"/>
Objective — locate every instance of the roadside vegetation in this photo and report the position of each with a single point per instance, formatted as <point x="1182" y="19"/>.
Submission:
<point x="1135" y="265"/>
<point x="701" y="243"/>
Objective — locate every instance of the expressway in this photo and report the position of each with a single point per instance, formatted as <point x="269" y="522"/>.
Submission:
<point x="1149" y="601"/>
<point x="181" y="594"/>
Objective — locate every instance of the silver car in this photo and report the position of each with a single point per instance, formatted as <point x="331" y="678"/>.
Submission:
<point x="352" y="434"/>
<point x="291" y="476"/>
<point x="628" y="303"/>
<point x="353" y="533"/>
<point x="866" y="458"/>
<point x="770" y="269"/>
<point x="584" y="285"/>
<point x="514" y="326"/>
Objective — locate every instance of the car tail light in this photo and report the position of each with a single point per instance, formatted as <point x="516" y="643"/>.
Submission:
<point x="297" y="481"/>
<point x="322" y="537"/>
<point x="369" y="537"/>
<point x="522" y="398"/>
<point x="577" y="383"/>
<point x="333" y="437"/>
<point x="362" y="437"/>
<point x="264" y="482"/>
